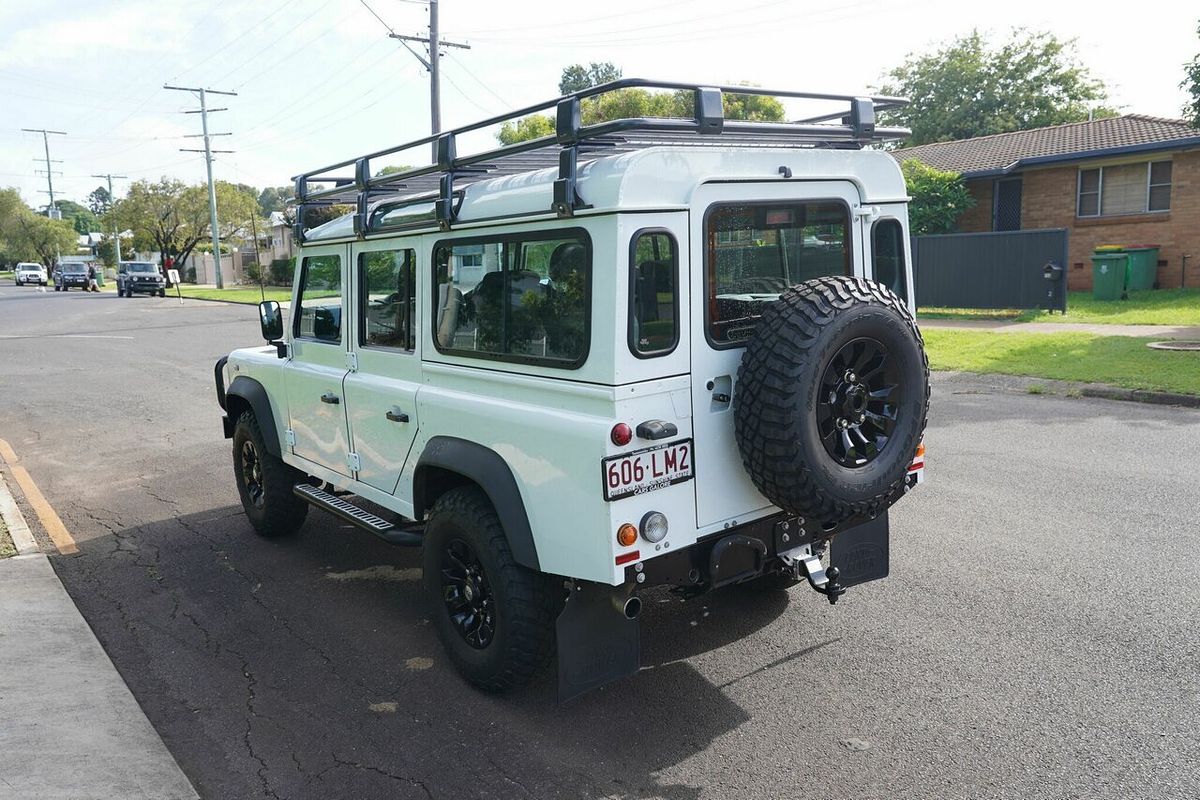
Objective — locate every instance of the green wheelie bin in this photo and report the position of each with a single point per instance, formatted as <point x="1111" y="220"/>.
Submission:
<point x="1108" y="275"/>
<point x="1143" y="266"/>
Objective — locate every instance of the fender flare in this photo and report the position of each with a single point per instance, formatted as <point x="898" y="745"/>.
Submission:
<point x="490" y="472"/>
<point x="255" y="395"/>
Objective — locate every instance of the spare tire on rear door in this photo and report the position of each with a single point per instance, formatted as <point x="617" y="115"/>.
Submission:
<point x="831" y="399"/>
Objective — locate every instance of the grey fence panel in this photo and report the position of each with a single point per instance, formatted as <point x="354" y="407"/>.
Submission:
<point x="1012" y="269"/>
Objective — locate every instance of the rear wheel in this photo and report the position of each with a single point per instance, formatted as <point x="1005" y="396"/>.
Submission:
<point x="495" y="617"/>
<point x="265" y="482"/>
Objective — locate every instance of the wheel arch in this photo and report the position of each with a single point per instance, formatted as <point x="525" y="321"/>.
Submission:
<point x="448" y="462"/>
<point x="246" y="394"/>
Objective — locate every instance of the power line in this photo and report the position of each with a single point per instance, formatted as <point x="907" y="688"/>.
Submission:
<point x="208" y="159"/>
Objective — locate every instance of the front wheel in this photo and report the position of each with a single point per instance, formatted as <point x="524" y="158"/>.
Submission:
<point x="495" y="617"/>
<point x="265" y="483"/>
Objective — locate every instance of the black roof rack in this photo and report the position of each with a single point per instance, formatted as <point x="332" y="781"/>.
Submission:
<point x="437" y="182"/>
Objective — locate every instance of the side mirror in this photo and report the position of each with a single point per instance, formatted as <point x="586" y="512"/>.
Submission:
<point x="270" y="316"/>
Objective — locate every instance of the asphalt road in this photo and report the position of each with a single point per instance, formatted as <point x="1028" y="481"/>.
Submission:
<point x="1037" y="636"/>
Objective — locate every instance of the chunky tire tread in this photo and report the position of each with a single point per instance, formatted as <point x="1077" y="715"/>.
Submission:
<point x="283" y="512"/>
<point x="771" y="387"/>
<point x="527" y="602"/>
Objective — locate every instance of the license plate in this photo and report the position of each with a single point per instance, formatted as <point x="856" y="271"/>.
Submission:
<point x="647" y="469"/>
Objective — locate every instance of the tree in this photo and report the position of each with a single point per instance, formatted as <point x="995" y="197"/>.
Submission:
<point x="106" y="251"/>
<point x="99" y="201"/>
<point x="527" y="128"/>
<point x="1191" y="85"/>
<point x="44" y="238"/>
<point x="273" y="199"/>
<point x="970" y="88"/>
<point x="577" y="77"/>
<point x="938" y="198"/>
<point x="80" y="217"/>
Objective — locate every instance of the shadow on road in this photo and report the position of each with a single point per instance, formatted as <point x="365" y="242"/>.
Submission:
<point x="306" y="667"/>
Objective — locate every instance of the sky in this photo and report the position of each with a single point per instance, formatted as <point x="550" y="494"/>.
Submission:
<point x="319" y="81"/>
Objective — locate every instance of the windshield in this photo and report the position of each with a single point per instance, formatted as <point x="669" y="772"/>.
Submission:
<point x="142" y="267"/>
<point x="29" y="266"/>
<point x="73" y="269"/>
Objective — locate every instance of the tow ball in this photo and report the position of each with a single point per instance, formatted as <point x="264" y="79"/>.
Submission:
<point x="822" y="580"/>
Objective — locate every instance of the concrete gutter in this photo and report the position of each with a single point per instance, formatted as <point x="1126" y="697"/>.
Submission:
<point x="1027" y="385"/>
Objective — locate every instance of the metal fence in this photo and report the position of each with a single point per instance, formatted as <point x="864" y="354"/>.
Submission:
<point x="1011" y="269"/>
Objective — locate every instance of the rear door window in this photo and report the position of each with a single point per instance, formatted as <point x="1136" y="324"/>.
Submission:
<point x="887" y="245"/>
<point x="654" y="306"/>
<point x="388" y="298"/>
<point x="753" y="251"/>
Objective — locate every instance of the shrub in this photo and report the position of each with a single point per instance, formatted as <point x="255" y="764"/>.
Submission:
<point x="282" y="270"/>
<point x="938" y="198"/>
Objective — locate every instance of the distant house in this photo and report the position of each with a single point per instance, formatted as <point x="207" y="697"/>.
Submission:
<point x="1122" y="180"/>
<point x="279" y="237"/>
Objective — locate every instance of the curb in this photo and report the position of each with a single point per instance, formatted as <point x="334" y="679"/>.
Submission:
<point x="18" y="528"/>
<point x="1099" y="391"/>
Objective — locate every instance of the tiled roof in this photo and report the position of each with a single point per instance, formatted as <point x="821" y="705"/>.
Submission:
<point x="1003" y="152"/>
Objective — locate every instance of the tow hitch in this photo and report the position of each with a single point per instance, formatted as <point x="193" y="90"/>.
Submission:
<point x="823" y="580"/>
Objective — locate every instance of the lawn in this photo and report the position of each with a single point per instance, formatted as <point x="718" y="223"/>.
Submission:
<point x="238" y="294"/>
<point x="7" y="548"/>
<point x="1157" y="307"/>
<point x="1122" y="361"/>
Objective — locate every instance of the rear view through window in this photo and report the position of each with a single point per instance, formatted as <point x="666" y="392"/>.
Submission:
<point x="753" y="251"/>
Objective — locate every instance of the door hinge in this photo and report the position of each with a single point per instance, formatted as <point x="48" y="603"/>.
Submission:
<point x="353" y="462"/>
<point x="352" y="362"/>
<point x="290" y="435"/>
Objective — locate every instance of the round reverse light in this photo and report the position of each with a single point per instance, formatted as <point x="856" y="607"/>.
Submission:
<point x="621" y="434"/>
<point x="626" y="535"/>
<point x="654" y="526"/>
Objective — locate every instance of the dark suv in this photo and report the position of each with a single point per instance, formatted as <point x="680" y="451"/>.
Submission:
<point x="68" y="275"/>
<point x="140" y="276"/>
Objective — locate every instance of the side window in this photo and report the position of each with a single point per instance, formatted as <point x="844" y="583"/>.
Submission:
<point x="320" y="314"/>
<point x="753" y="251"/>
<point x="518" y="297"/>
<point x="887" y="243"/>
<point x="654" y="302"/>
<point x="388" y="298"/>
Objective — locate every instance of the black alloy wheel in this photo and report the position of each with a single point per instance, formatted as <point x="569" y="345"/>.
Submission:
<point x="467" y="594"/>
<point x="252" y="476"/>
<point x="860" y="396"/>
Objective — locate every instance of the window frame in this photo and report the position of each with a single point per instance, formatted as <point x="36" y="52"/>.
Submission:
<point x="364" y="289"/>
<point x="1100" y="189"/>
<point x="708" y="274"/>
<point x="538" y="235"/>
<point x="903" y="258"/>
<point x="299" y="315"/>
<point x="629" y="332"/>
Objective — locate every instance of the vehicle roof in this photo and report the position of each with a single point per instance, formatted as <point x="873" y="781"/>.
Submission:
<point x="660" y="178"/>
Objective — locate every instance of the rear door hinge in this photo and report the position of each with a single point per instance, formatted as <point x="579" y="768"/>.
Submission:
<point x="352" y="362"/>
<point x="290" y="435"/>
<point x="353" y="462"/>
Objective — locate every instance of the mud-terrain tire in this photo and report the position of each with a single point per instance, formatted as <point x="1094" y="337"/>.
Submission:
<point x="814" y="442"/>
<point x="495" y="617"/>
<point x="266" y="492"/>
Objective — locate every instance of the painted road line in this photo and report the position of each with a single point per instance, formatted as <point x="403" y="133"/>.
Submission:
<point x="50" y="521"/>
<point x="14" y="520"/>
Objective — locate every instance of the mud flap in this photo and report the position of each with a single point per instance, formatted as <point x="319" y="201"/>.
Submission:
<point x="861" y="553"/>
<point x="597" y="640"/>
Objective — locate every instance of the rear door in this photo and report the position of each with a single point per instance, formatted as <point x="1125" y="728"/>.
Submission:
<point x="750" y="241"/>
<point x="381" y="391"/>
<point x="313" y="375"/>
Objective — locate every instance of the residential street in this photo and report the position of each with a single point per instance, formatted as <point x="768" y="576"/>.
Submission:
<point x="1036" y="637"/>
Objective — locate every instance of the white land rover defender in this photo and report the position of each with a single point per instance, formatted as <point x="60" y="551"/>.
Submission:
<point x="637" y="353"/>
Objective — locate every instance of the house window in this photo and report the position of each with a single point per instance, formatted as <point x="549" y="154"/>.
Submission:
<point x="1124" y="189"/>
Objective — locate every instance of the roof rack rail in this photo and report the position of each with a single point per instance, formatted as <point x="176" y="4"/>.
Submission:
<point x="855" y="127"/>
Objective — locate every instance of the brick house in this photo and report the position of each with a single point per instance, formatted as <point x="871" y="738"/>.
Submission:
<point x="1122" y="180"/>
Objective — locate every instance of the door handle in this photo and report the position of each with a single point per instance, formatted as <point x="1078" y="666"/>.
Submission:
<point x="331" y="398"/>
<point x="396" y="415"/>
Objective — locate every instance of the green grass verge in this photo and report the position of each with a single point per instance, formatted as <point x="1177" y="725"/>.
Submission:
<point x="241" y="294"/>
<point x="1123" y="361"/>
<point x="1157" y="307"/>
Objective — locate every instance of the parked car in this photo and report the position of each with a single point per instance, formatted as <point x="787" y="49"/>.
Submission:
<point x="140" y="277"/>
<point x="70" y="274"/>
<point x="28" y="272"/>
<point x="635" y="367"/>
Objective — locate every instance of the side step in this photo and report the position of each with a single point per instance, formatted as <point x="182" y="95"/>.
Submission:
<point x="379" y="526"/>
